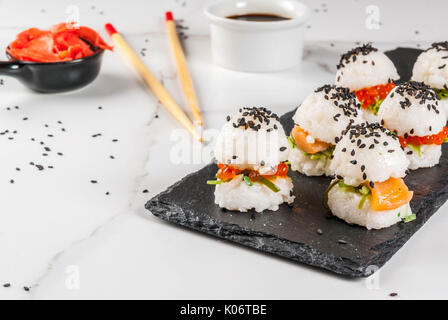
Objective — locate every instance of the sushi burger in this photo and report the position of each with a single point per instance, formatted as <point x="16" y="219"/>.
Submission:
<point x="319" y="121"/>
<point x="251" y="151"/>
<point x="413" y="113"/>
<point x="370" y="74"/>
<point x="431" y="68"/>
<point x="368" y="190"/>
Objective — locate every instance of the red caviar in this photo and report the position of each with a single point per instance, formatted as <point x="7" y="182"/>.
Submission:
<point x="226" y="172"/>
<point x="370" y="95"/>
<point x="436" y="139"/>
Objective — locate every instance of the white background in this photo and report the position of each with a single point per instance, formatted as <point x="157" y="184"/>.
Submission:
<point x="64" y="238"/>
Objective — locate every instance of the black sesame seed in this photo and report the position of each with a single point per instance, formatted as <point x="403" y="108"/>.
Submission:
<point x="283" y="148"/>
<point x="93" y="181"/>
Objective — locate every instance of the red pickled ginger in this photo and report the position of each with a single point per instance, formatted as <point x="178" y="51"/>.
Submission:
<point x="63" y="42"/>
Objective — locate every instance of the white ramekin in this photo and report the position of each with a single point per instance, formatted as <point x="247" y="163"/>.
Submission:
<point x="257" y="46"/>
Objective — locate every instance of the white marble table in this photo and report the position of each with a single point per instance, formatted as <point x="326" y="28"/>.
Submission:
<point x="63" y="237"/>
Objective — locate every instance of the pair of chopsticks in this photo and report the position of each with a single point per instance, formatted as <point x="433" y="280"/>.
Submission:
<point x="156" y="87"/>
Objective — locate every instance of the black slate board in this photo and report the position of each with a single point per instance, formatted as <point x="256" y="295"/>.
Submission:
<point x="291" y="232"/>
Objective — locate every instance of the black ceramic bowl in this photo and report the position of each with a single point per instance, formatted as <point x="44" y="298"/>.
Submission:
<point x="54" y="76"/>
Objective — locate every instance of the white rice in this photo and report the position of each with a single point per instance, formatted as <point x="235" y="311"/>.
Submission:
<point x="429" y="156"/>
<point x="238" y="196"/>
<point x="320" y="117"/>
<point x="243" y="147"/>
<point x="363" y="73"/>
<point x="416" y="119"/>
<point x="344" y="205"/>
<point x="369" y="116"/>
<point x="376" y="157"/>
<point x="307" y="166"/>
<point x="443" y="104"/>
<point x="427" y="68"/>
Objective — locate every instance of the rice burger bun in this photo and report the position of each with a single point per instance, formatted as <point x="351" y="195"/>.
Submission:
<point x="364" y="67"/>
<point x="368" y="152"/>
<point x="236" y="195"/>
<point x="252" y="139"/>
<point x="326" y="112"/>
<point x="412" y="108"/>
<point x="431" y="66"/>
<point x="304" y="164"/>
<point x="344" y="205"/>
<point x="427" y="157"/>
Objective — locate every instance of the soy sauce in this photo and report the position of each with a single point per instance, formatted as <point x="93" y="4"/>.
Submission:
<point x="257" y="17"/>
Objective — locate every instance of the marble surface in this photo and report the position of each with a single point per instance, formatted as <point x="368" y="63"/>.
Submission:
<point x="62" y="236"/>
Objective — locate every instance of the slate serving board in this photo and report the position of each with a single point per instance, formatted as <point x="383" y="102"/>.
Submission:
<point x="291" y="232"/>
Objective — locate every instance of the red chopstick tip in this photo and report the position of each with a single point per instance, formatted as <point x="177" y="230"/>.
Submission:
<point x="110" y="29"/>
<point x="168" y="15"/>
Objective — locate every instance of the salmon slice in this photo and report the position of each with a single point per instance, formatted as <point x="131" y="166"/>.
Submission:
<point x="299" y="135"/>
<point x="390" y="194"/>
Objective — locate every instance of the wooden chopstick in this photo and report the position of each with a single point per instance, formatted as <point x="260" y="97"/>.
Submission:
<point x="182" y="68"/>
<point x="152" y="82"/>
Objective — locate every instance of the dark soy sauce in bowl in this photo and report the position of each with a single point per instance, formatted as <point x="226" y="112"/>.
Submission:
<point x="258" y="17"/>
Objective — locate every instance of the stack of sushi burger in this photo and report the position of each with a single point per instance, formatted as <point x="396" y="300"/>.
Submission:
<point x="432" y="69"/>
<point x="251" y="152"/>
<point x="368" y="190"/>
<point x="319" y="121"/>
<point x="412" y="111"/>
<point x="370" y="74"/>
